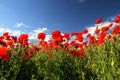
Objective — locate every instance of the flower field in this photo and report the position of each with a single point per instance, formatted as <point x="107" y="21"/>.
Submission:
<point x="85" y="57"/>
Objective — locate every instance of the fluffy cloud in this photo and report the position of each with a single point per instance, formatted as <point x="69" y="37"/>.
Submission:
<point x="112" y="18"/>
<point x="91" y="29"/>
<point x="34" y="33"/>
<point x="2" y="30"/>
<point x="11" y="32"/>
<point x="20" y="24"/>
<point x="40" y="30"/>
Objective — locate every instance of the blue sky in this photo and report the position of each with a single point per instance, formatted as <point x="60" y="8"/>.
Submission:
<point x="31" y="16"/>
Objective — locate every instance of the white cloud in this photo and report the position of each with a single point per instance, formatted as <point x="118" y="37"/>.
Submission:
<point x="34" y="33"/>
<point x="40" y="30"/>
<point x="20" y="24"/>
<point x="8" y="30"/>
<point x="2" y="30"/>
<point x="16" y="33"/>
<point x="48" y="37"/>
<point x="92" y="29"/>
<point x="11" y="32"/>
<point x="112" y="18"/>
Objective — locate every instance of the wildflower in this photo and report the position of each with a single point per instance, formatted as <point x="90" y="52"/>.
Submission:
<point x="88" y="35"/>
<point x="10" y="43"/>
<point x="14" y="38"/>
<point x="110" y="25"/>
<point x="118" y="16"/>
<point x="116" y="30"/>
<point x="57" y="42"/>
<point x="81" y="45"/>
<point x="85" y="31"/>
<point x="6" y="35"/>
<point x="73" y="52"/>
<point x="92" y="38"/>
<point x="23" y="39"/>
<point x="73" y="33"/>
<point x="67" y="36"/>
<point x="117" y="20"/>
<point x="41" y="36"/>
<point x="100" y="41"/>
<point x="105" y="28"/>
<point x="80" y="53"/>
<point x="102" y="34"/>
<point x="26" y="55"/>
<point x="66" y="45"/>
<point x="99" y="20"/>
<point x="56" y="34"/>
<point x="97" y="31"/>
<point x="4" y="54"/>
<point x="77" y="53"/>
<point x="74" y="44"/>
<point x="79" y="37"/>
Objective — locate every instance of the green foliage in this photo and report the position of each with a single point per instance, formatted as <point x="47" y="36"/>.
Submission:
<point x="98" y="63"/>
<point x="104" y="60"/>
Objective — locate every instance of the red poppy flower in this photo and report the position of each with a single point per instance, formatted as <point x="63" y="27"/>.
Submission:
<point x="77" y="53"/>
<point x="116" y="30"/>
<point x="79" y="36"/>
<point x="73" y="33"/>
<point x="3" y="51"/>
<point x="3" y="43"/>
<point x="4" y="54"/>
<point x="10" y="42"/>
<point x="118" y="16"/>
<point x="85" y="31"/>
<point x="72" y="43"/>
<point x="7" y="56"/>
<point x="74" y="52"/>
<point x="56" y="34"/>
<point x="1" y="37"/>
<point x="67" y="36"/>
<point x="88" y="35"/>
<point x="110" y="25"/>
<point x="14" y="38"/>
<point x="81" y="45"/>
<point x="117" y="20"/>
<point x="25" y="43"/>
<point x="102" y="35"/>
<point x="80" y="53"/>
<point x="100" y="41"/>
<point x="41" y="36"/>
<point x="6" y="35"/>
<point x="97" y="31"/>
<point x="26" y="55"/>
<point x="105" y="28"/>
<point x="57" y="42"/>
<point x="23" y="39"/>
<point x="91" y="40"/>
<point x="66" y="45"/>
<point x="99" y="20"/>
